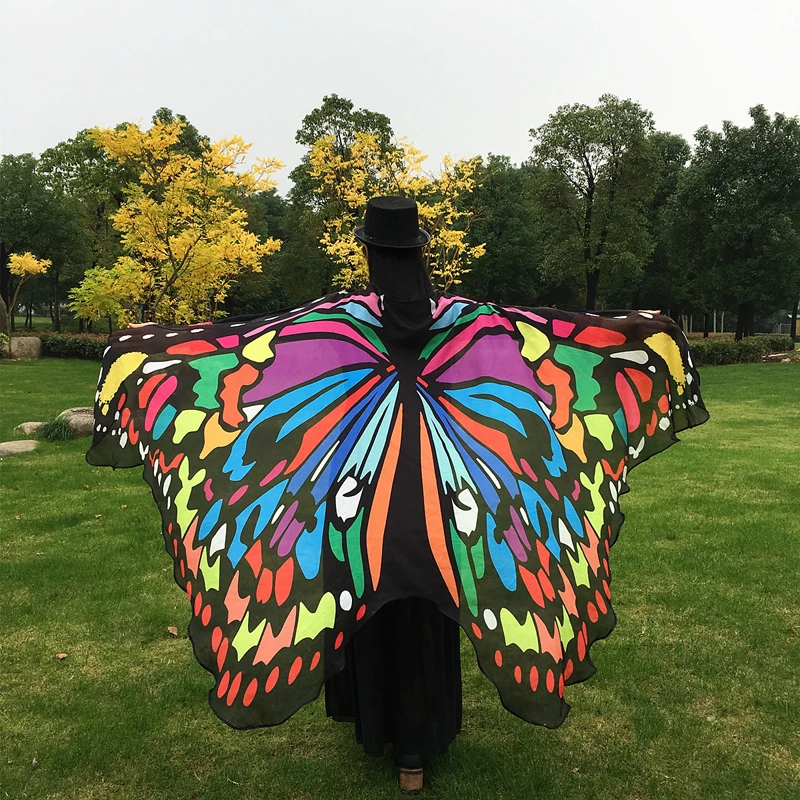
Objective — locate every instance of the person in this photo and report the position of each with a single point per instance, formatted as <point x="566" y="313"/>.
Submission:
<point x="401" y="684"/>
<point x="346" y="486"/>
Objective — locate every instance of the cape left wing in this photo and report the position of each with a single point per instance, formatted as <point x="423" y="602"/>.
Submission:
<point x="270" y="447"/>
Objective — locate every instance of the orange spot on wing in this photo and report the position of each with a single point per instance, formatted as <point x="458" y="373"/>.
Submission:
<point x="551" y="375"/>
<point x="233" y="383"/>
<point x="192" y="552"/>
<point x="532" y="585"/>
<point x="642" y="382"/>
<point x="433" y="512"/>
<point x="149" y="387"/>
<point x="254" y="559"/>
<point x="380" y="503"/>
<point x="283" y="581"/>
<point x="235" y="604"/>
<point x="270" y="644"/>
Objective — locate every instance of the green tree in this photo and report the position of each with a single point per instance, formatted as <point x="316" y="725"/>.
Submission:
<point x="302" y="267"/>
<point x="336" y="117"/>
<point x="80" y="173"/>
<point x="33" y="218"/>
<point x="736" y="214"/>
<point x="506" y="219"/>
<point x="598" y="171"/>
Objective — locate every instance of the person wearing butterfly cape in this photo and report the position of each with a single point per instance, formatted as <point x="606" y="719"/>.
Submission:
<point x="314" y="466"/>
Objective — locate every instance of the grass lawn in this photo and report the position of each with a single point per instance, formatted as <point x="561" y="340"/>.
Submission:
<point x="697" y="693"/>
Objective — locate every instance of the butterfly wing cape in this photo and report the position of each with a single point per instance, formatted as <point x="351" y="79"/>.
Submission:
<point x="309" y="469"/>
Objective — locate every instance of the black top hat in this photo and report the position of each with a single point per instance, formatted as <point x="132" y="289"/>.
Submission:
<point x="392" y="222"/>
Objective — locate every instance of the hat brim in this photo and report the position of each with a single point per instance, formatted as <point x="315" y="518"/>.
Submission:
<point x="420" y="241"/>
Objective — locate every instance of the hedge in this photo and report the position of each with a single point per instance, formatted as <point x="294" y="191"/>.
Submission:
<point x="712" y="352"/>
<point x="73" y="345"/>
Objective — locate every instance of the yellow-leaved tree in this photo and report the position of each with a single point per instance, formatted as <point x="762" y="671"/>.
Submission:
<point x="184" y="233"/>
<point x="348" y="179"/>
<point x="24" y="266"/>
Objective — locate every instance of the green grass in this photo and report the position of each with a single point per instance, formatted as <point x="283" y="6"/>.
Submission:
<point x="697" y="693"/>
<point x="68" y="324"/>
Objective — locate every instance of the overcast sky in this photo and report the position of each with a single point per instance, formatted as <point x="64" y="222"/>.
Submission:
<point x="457" y="76"/>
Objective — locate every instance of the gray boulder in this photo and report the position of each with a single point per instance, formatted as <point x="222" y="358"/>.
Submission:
<point x="80" y="420"/>
<point x="21" y="446"/>
<point x="29" y="428"/>
<point x="26" y="347"/>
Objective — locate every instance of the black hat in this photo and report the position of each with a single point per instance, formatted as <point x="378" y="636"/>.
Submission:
<point x="392" y="222"/>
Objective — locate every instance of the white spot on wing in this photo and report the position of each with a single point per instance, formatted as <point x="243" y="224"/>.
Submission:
<point x="155" y="366"/>
<point x="218" y="540"/>
<point x="637" y="356"/>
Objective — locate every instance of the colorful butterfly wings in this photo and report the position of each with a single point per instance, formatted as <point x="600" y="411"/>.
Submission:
<point x="308" y="471"/>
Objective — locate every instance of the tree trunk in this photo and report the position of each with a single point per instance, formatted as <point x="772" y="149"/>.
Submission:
<point x="56" y="307"/>
<point x="706" y="323"/>
<point x="4" y="327"/>
<point x="722" y="323"/>
<point x="741" y="322"/>
<point x="5" y="275"/>
<point x="592" y="280"/>
<point x="793" y="320"/>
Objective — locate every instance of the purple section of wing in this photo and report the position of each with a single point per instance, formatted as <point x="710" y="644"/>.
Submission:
<point x="495" y="357"/>
<point x="296" y="363"/>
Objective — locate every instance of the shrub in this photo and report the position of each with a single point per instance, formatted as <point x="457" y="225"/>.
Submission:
<point x="56" y="430"/>
<point x="73" y="345"/>
<point x="779" y="342"/>
<point x="713" y="352"/>
<point x="4" y="342"/>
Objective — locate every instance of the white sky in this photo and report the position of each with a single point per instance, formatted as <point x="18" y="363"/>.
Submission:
<point x="457" y="76"/>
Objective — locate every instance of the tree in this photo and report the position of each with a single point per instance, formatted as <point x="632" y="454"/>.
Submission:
<point x="367" y="169"/>
<point x="598" y="169"/>
<point x="736" y="214"/>
<point x="32" y="218"/>
<point x="664" y="282"/>
<point x="184" y="233"/>
<point x="24" y="266"/>
<point x="506" y="219"/>
<point x="83" y="176"/>
<point x="338" y="119"/>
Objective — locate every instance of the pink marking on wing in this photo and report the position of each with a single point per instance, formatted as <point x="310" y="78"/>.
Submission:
<point x="328" y="327"/>
<point x="576" y="491"/>
<point x="275" y="471"/>
<point x="563" y="328"/>
<point x="629" y="405"/>
<point x="207" y="490"/>
<point x="552" y="489"/>
<point x="528" y="314"/>
<point x="228" y="341"/>
<point x="160" y="396"/>
<point x="526" y="468"/>
<point x="445" y="302"/>
<point x="237" y="494"/>
<point x="461" y="340"/>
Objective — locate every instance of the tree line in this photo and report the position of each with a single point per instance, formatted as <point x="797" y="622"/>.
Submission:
<point x="607" y="212"/>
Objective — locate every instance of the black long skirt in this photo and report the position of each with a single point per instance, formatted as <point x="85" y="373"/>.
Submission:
<point x="402" y="682"/>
